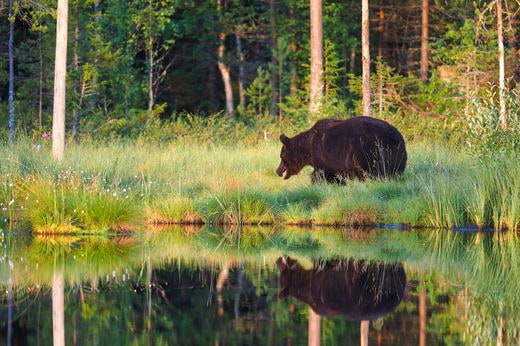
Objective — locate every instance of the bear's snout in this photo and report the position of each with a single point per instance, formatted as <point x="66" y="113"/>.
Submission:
<point x="282" y="171"/>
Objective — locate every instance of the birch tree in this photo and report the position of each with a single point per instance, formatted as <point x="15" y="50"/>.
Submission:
<point x="60" y="78"/>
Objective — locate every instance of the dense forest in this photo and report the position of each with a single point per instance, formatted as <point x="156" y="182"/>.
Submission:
<point x="135" y="65"/>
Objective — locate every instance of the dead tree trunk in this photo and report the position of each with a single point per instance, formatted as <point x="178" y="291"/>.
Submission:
<point x="365" y="50"/>
<point x="60" y="79"/>
<point x="316" y="78"/>
<point x="424" y="41"/>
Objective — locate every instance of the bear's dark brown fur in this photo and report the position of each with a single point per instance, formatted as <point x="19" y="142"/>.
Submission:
<point x="344" y="149"/>
<point x="355" y="290"/>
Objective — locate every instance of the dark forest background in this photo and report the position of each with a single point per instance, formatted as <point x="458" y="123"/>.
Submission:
<point x="136" y="64"/>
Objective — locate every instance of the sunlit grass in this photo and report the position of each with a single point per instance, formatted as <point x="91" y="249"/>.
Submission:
<point x="114" y="185"/>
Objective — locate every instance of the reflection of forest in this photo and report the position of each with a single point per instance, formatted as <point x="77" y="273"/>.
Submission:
<point x="164" y="287"/>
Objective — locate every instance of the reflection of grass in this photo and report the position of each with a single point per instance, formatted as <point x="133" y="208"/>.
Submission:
<point x="489" y="265"/>
<point x="482" y="268"/>
<point x="117" y="184"/>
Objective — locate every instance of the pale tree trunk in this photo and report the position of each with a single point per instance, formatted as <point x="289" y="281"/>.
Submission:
<point x="60" y="79"/>
<point x="11" y="73"/>
<point x="423" y="317"/>
<point x="501" y="66"/>
<point x="363" y="333"/>
<point x="316" y="78"/>
<point x="149" y="50"/>
<point x="424" y="41"/>
<point x="365" y="50"/>
<point x="274" y="75"/>
<point x="226" y="76"/>
<point x="314" y="328"/>
<point x="224" y="69"/>
<point x="58" y="309"/>
<point x="241" y="72"/>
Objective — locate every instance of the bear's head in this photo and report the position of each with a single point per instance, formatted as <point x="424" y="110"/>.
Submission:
<point x="293" y="157"/>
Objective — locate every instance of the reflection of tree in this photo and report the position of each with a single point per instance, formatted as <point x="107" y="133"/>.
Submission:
<point x="184" y="273"/>
<point x="363" y="332"/>
<point x="314" y="328"/>
<point x="221" y="280"/>
<point x="423" y="316"/>
<point x="58" y="309"/>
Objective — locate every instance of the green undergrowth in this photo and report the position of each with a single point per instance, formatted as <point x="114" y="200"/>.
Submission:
<point x="102" y="186"/>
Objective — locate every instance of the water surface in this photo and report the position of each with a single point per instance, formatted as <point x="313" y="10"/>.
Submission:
<point x="260" y="286"/>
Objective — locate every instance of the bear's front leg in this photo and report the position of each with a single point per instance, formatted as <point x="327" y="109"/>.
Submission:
<point x="318" y="176"/>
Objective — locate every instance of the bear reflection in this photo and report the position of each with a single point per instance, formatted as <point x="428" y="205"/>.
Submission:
<point x="357" y="290"/>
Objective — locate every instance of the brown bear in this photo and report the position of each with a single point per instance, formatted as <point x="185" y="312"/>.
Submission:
<point x="344" y="149"/>
<point x="357" y="290"/>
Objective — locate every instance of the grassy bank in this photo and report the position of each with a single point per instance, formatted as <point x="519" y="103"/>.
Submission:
<point x="119" y="186"/>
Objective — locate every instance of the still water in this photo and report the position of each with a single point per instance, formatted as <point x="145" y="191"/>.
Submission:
<point x="260" y="286"/>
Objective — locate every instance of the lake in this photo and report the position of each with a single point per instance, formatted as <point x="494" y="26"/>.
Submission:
<point x="260" y="286"/>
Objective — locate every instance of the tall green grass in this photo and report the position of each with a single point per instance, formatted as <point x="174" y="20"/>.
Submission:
<point x="118" y="185"/>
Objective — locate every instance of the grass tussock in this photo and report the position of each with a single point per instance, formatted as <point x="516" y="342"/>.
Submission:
<point x="118" y="185"/>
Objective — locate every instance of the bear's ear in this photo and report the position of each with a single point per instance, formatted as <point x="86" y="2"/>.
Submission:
<point x="284" y="139"/>
<point x="292" y="263"/>
<point x="281" y="264"/>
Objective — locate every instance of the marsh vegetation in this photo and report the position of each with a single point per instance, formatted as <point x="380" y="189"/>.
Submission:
<point x="103" y="186"/>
